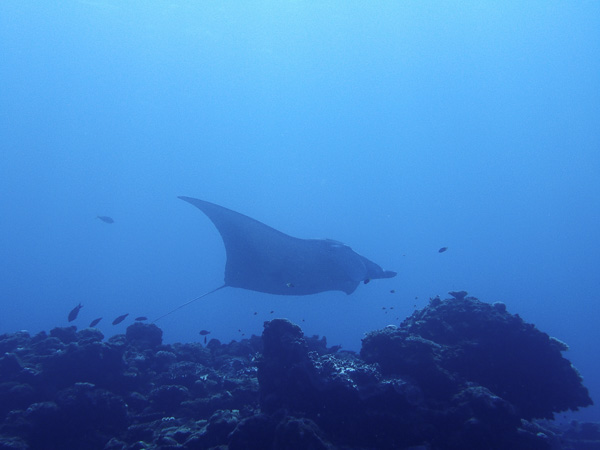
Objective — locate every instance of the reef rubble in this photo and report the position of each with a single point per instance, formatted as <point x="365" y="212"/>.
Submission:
<point x="457" y="374"/>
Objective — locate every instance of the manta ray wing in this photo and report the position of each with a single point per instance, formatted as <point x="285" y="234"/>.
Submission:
<point x="263" y="259"/>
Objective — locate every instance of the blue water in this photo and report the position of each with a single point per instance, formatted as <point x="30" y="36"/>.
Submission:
<point x="395" y="127"/>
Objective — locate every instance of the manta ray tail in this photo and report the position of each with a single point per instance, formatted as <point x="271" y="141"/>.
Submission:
<point x="187" y="303"/>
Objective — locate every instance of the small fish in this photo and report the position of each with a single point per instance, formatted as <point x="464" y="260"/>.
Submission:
<point x="204" y="340"/>
<point x="74" y="312"/>
<point x="120" y="319"/>
<point x="272" y="312"/>
<point x="95" y="322"/>
<point x="442" y="250"/>
<point x="367" y="281"/>
<point x="204" y="332"/>
<point x="290" y="285"/>
<point x="106" y="219"/>
<point x="255" y="313"/>
<point x="392" y="291"/>
<point x="141" y="318"/>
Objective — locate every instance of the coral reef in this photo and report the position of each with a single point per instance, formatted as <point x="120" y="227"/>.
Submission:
<point x="458" y="374"/>
<point x="463" y="340"/>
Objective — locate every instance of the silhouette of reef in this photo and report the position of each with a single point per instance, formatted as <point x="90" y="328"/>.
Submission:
<point x="457" y="374"/>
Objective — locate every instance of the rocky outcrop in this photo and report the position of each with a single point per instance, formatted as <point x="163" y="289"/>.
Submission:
<point x="454" y="342"/>
<point x="457" y="374"/>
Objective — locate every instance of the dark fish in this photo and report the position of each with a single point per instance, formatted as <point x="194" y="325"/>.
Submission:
<point x="204" y="332"/>
<point x="141" y="318"/>
<point x="95" y="322"/>
<point x="393" y="291"/>
<point x="442" y="250"/>
<point x="74" y="312"/>
<point x="106" y="219"/>
<point x="204" y="339"/>
<point x="366" y="281"/>
<point x="120" y="319"/>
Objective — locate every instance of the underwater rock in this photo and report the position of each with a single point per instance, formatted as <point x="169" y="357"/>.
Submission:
<point x="49" y="345"/>
<point x="472" y="341"/>
<point x="457" y="374"/>
<point x="88" y="335"/>
<point x="95" y="362"/>
<point x="300" y="433"/>
<point x="220" y="424"/>
<point x="144" y="335"/>
<point x="65" y="334"/>
<point x="183" y="373"/>
<point x="12" y="443"/>
<point x="459" y="295"/>
<point x="284" y="341"/>
<point x="486" y="418"/>
<point x="10" y="342"/>
<point x="578" y="435"/>
<point x="284" y="369"/>
<point x="116" y="444"/>
<point x="256" y="431"/>
<point x="10" y="367"/>
<point x="15" y="395"/>
<point x="91" y="413"/>
<point x="168" y="398"/>
<point x="81" y="417"/>
<point x="411" y="357"/>
<point x="330" y="390"/>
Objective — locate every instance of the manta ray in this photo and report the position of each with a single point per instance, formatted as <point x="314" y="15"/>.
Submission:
<point x="263" y="259"/>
